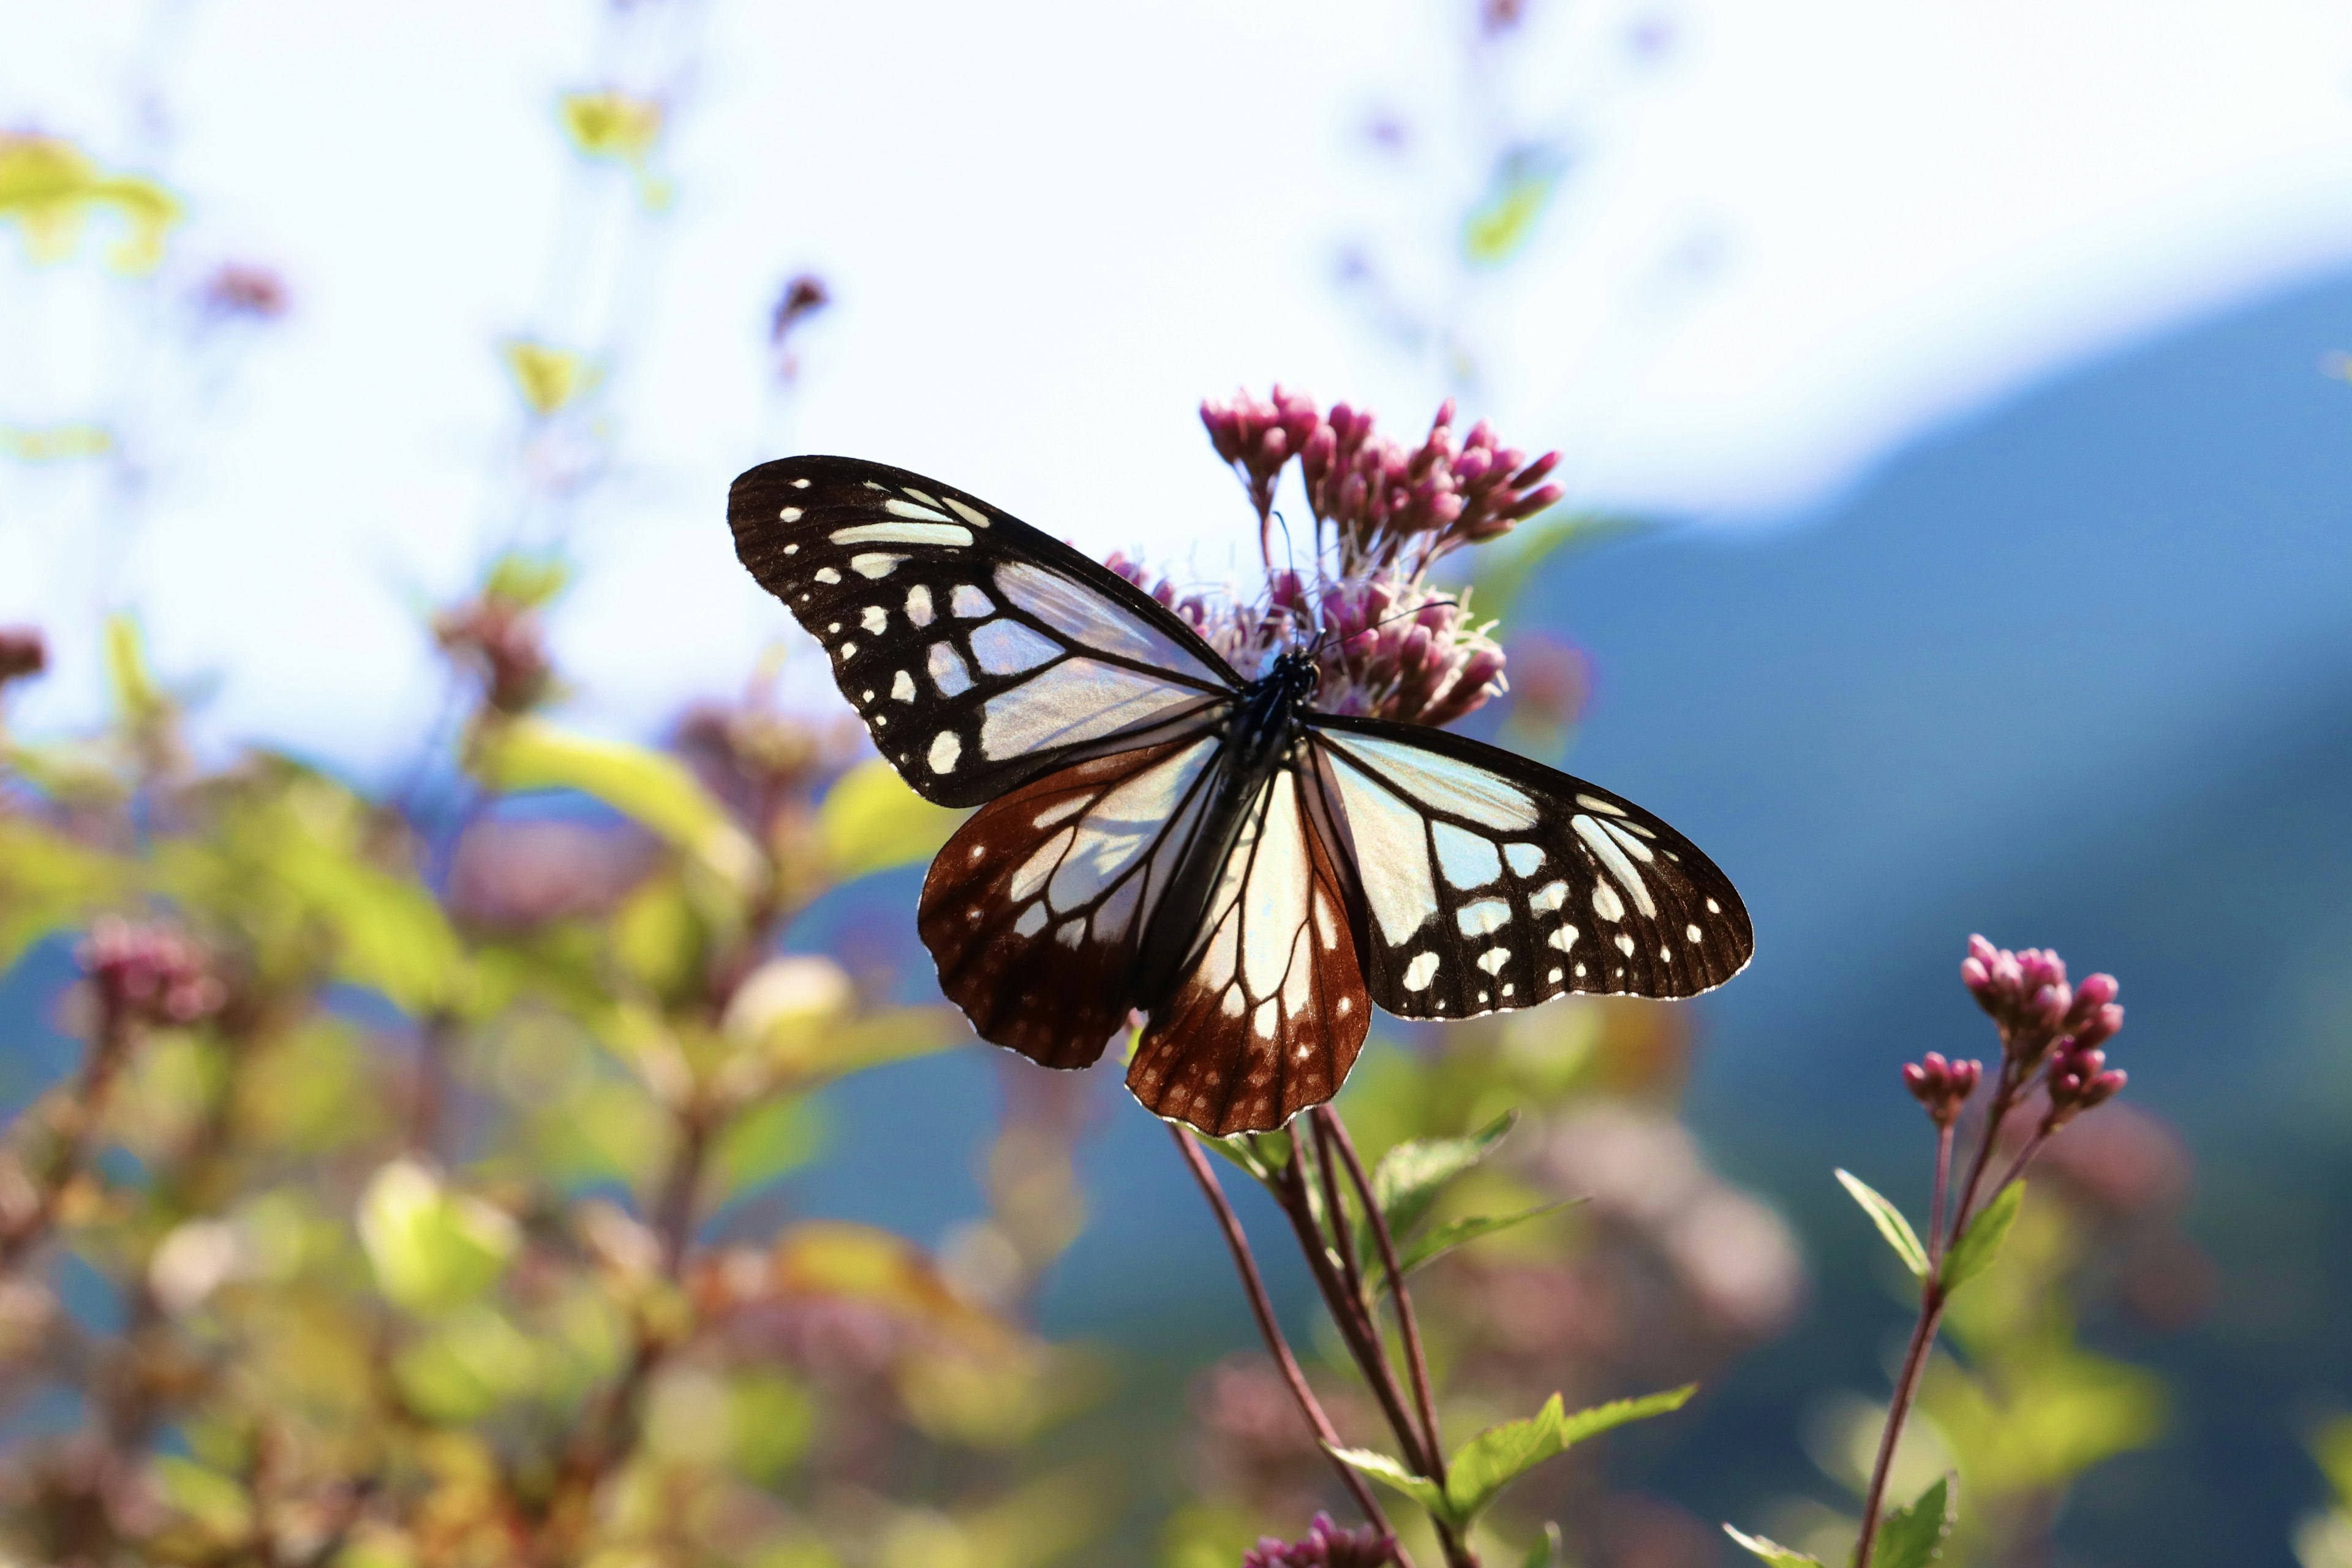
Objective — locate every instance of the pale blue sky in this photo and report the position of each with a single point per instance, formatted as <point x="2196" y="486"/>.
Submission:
<point x="1789" y="237"/>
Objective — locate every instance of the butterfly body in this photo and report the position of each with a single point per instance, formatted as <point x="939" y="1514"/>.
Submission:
<point x="1157" y="833"/>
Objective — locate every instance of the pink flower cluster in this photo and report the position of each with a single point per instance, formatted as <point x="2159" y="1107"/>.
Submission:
<point x="1325" y="1546"/>
<point x="2026" y="993"/>
<point x="148" y="973"/>
<point x="1942" y="1087"/>
<point x="1387" y="505"/>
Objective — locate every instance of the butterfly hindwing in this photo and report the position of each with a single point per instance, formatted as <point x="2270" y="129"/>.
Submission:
<point x="980" y="652"/>
<point x="1269" y="1016"/>
<point x="1037" y="906"/>
<point x="1487" y="882"/>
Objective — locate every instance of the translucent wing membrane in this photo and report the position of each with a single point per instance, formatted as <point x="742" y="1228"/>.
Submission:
<point x="1490" y="882"/>
<point x="980" y="652"/>
<point x="1268" y="1018"/>
<point x="1036" y="908"/>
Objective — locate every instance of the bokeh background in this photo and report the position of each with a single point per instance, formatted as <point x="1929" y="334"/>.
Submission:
<point x="1952" y="393"/>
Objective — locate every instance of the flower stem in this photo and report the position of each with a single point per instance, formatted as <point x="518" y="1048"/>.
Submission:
<point x="1263" y="1310"/>
<point x="1935" y="1206"/>
<point x="1328" y="1126"/>
<point x="1907" y="1389"/>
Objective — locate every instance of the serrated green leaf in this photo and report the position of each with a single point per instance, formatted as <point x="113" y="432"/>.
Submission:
<point x="1440" y="1239"/>
<point x="1546" y="1550"/>
<point x="655" y="790"/>
<point x="1890" y="1223"/>
<point x="1410" y="1177"/>
<point x="870" y="821"/>
<point x="1392" y="1472"/>
<point x="1914" y="1537"/>
<point x="1500" y="1454"/>
<point x="1980" y="1243"/>
<point x="1771" y="1551"/>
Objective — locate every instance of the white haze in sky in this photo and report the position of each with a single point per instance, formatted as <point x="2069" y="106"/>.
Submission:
<point x="1784" y="238"/>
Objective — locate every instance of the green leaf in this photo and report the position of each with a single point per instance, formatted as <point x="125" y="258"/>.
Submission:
<point x="1545" y="1552"/>
<point x="1381" y="1468"/>
<point x="762" y="1144"/>
<point x="431" y="1248"/>
<point x="529" y="580"/>
<point x="870" y="821"/>
<point x="1510" y="564"/>
<point x="1914" y="1537"/>
<point x="655" y="790"/>
<point x="1771" y="1551"/>
<point x="1980" y="1243"/>
<point x="1409" y="1176"/>
<point x="1506" y="218"/>
<point x="1443" y="1238"/>
<point x="49" y="883"/>
<point x="1500" y="1454"/>
<point x="1890" y="1222"/>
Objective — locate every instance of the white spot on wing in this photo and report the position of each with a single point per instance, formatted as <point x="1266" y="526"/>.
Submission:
<point x="827" y="575"/>
<point x="971" y="514"/>
<point x="1606" y="903"/>
<point x="790" y="515"/>
<point x="1492" y="958"/>
<point x="1056" y="813"/>
<point x="1626" y="943"/>
<point x="1593" y="803"/>
<point x="902" y="686"/>
<point x="874" y="563"/>
<point x="1391" y="851"/>
<point x="949" y="671"/>
<point x="874" y="618"/>
<point x="1466" y="859"/>
<point x="1550" y="896"/>
<point x="800" y="484"/>
<point x="918" y="604"/>
<point x="1458" y="788"/>
<point x="1713" y="908"/>
<point x="1039" y="866"/>
<point x="969" y="603"/>
<point x="1605" y="846"/>
<point x="1563" y="939"/>
<point x="1420" y="971"/>
<point x="1634" y="846"/>
<point x="1523" y="858"/>
<point x="946" y="533"/>
<point x="1483" y="915"/>
<point x="897" y="507"/>
<point x="945" y="749"/>
<point x="1691" y="933"/>
<point x="1007" y="648"/>
<point x="1031" y="921"/>
<point x="1077" y="700"/>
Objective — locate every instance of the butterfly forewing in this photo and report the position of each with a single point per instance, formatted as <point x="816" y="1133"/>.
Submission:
<point x="980" y="652"/>
<point x="1035" y="909"/>
<point x="1268" y="1018"/>
<point x="1489" y="883"/>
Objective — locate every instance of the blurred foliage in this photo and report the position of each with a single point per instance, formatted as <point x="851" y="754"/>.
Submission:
<point x="449" y="1235"/>
<point x="50" y="189"/>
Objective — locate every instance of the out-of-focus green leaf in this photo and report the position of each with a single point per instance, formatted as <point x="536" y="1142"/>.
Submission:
<point x="1262" y="1154"/>
<point x="48" y="187"/>
<point x="604" y="1129"/>
<point x="1980" y="1243"/>
<point x="49" y="883"/>
<point x="1409" y="1176"/>
<point x="1771" y="1551"/>
<point x="467" y="1366"/>
<point x="892" y="1035"/>
<point x="1392" y="1472"/>
<point x="1504" y="220"/>
<point x="1441" y="1240"/>
<point x="2332" y="1446"/>
<point x="1914" y="1537"/>
<point x="547" y="377"/>
<point x="772" y="1420"/>
<point x="657" y="936"/>
<point x="1545" y="1552"/>
<point x="655" y="790"/>
<point x="1889" y="1221"/>
<point x="217" y="1504"/>
<point x="870" y="821"/>
<point x="762" y="1144"/>
<point x="529" y="580"/>
<point x="1500" y="1454"/>
<point x="431" y="1248"/>
<point x="139" y="701"/>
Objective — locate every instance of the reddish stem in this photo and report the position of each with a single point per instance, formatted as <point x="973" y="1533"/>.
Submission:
<point x="1263" y="1310"/>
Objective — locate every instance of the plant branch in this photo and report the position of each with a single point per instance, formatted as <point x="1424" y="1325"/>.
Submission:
<point x="1328" y="1125"/>
<point x="1263" y="1308"/>
<point x="1907" y="1389"/>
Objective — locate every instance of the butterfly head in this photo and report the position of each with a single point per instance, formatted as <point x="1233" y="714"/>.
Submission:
<point x="1297" y="672"/>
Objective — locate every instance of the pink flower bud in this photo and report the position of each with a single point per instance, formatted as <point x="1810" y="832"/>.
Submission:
<point x="23" y="652"/>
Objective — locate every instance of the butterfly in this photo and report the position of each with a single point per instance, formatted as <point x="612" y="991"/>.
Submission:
<point x="1157" y="832"/>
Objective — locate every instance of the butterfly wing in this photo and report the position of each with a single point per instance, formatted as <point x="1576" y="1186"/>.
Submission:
<point x="980" y="652"/>
<point x="1268" y="1017"/>
<point x="1486" y="881"/>
<point x="1036" y="908"/>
